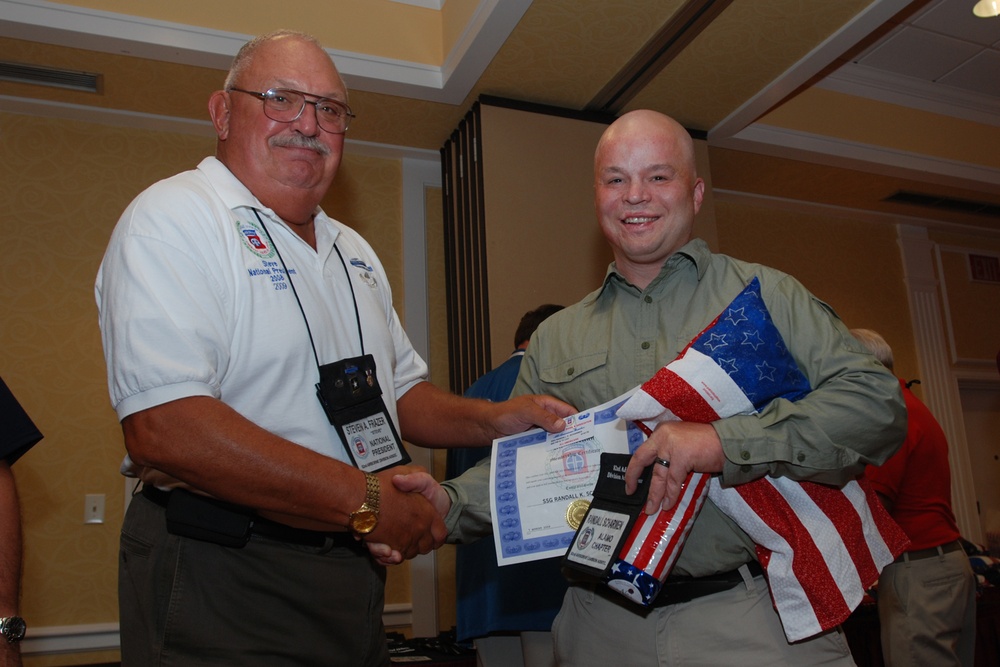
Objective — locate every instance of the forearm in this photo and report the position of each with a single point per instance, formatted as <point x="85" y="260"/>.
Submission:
<point x="854" y="414"/>
<point x="432" y="417"/>
<point x="829" y="446"/>
<point x="10" y="544"/>
<point x="212" y="448"/>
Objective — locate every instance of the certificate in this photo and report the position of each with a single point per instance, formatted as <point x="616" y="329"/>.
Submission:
<point x="537" y="475"/>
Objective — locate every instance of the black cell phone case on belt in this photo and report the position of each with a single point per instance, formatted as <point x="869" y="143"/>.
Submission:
<point x="202" y="518"/>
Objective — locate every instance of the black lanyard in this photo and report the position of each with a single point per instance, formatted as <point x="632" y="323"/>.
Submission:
<point x="349" y="391"/>
<point x="354" y="299"/>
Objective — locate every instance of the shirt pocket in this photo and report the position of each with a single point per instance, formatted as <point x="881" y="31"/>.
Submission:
<point x="573" y="368"/>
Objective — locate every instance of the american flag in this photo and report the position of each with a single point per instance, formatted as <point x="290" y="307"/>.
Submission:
<point x="820" y="546"/>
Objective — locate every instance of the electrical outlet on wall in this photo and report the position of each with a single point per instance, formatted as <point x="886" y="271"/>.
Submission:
<point x="93" y="510"/>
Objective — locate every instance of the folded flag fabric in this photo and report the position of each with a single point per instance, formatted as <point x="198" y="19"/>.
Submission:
<point x="820" y="546"/>
<point x="654" y="543"/>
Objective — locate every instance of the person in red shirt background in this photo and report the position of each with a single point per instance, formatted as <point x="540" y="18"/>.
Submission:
<point x="927" y="597"/>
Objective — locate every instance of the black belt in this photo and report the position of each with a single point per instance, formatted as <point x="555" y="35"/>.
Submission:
<point x="921" y="554"/>
<point x="265" y="527"/>
<point x="684" y="589"/>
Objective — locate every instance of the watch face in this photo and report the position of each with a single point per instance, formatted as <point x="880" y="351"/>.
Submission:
<point x="13" y="628"/>
<point x="364" y="521"/>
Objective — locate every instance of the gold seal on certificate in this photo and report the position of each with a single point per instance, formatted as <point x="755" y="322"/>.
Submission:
<point x="576" y="511"/>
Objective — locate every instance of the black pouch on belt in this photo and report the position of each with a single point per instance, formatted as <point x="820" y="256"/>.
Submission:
<point x="201" y="518"/>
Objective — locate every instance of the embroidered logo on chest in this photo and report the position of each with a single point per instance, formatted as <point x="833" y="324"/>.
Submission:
<point x="366" y="273"/>
<point x="254" y="239"/>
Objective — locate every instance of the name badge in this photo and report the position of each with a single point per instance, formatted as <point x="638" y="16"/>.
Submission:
<point x="350" y="395"/>
<point x="607" y="522"/>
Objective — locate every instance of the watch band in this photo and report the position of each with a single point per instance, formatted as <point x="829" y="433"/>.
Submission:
<point x="373" y="492"/>
<point x="364" y="519"/>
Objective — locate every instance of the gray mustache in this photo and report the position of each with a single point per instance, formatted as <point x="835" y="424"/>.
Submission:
<point x="300" y="141"/>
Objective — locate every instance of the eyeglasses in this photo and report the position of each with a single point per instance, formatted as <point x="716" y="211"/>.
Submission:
<point x="285" y="106"/>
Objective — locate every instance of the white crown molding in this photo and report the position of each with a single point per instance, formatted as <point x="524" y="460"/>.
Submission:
<point x="79" y="27"/>
<point x="489" y="28"/>
<point x="426" y="4"/>
<point x="114" y="117"/>
<point x="392" y="152"/>
<point x="859" y="27"/>
<point x="853" y="79"/>
<point x="780" y="142"/>
<point x="108" y="32"/>
<point x="723" y="195"/>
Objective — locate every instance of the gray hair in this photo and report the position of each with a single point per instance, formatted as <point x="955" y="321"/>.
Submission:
<point x="875" y="344"/>
<point x="247" y="52"/>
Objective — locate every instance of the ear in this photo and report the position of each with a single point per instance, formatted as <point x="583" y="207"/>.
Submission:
<point x="699" y="194"/>
<point x="218" y="109"/>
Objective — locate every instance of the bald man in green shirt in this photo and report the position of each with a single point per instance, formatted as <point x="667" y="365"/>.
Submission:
<point x="662" y="290"/>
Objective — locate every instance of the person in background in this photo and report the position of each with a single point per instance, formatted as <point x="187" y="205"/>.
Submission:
<point x="510" y="627"/>
<point x="927" y="597"/>
<point x="663" y="288"/>
<point x="263" y="381"/>
<point x="18" y="434"/>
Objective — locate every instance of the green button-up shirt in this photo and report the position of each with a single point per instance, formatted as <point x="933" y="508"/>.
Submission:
<point x="619" y="336"/>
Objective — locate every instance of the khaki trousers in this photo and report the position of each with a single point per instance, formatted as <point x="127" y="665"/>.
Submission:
<point x="735" y="627"/>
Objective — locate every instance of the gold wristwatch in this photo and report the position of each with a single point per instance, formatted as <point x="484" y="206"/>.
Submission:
<point x="364" y="519"/>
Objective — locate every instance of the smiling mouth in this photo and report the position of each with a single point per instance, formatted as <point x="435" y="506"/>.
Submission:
<point x="638" y="219"/>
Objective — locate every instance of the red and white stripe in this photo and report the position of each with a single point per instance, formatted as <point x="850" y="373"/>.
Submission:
<point x="655" y="540"/>
<point x="821" y="546"/>
<point x="691" y="388"/>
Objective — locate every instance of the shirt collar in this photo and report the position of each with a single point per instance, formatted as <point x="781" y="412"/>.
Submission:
<point x="235" y="195"/>
<point x="695" y="252"/>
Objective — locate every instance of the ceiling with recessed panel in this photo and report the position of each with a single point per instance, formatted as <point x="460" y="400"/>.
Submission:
<point x="843" y="103"/>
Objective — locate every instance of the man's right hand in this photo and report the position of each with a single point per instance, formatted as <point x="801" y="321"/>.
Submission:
<point x="418" y="485"/>
<point x="410" y="518"/>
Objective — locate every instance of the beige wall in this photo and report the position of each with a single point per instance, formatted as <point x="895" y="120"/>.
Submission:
<point x="543" y="243"/>
<point x="852" y="265"/>
<point x="64" y="185"/>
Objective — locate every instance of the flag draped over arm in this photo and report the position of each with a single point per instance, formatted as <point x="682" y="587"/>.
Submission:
<point x="820" y="546"/>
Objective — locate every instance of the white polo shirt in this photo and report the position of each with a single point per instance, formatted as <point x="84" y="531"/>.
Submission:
<point x="193" y="301"/>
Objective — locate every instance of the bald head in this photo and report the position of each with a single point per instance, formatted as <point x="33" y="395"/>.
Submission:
<point x="646" y="190"/>
<point x="651" y="126"/>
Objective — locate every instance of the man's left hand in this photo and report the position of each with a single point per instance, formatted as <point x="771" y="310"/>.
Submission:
<point x="687" y="447"/>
